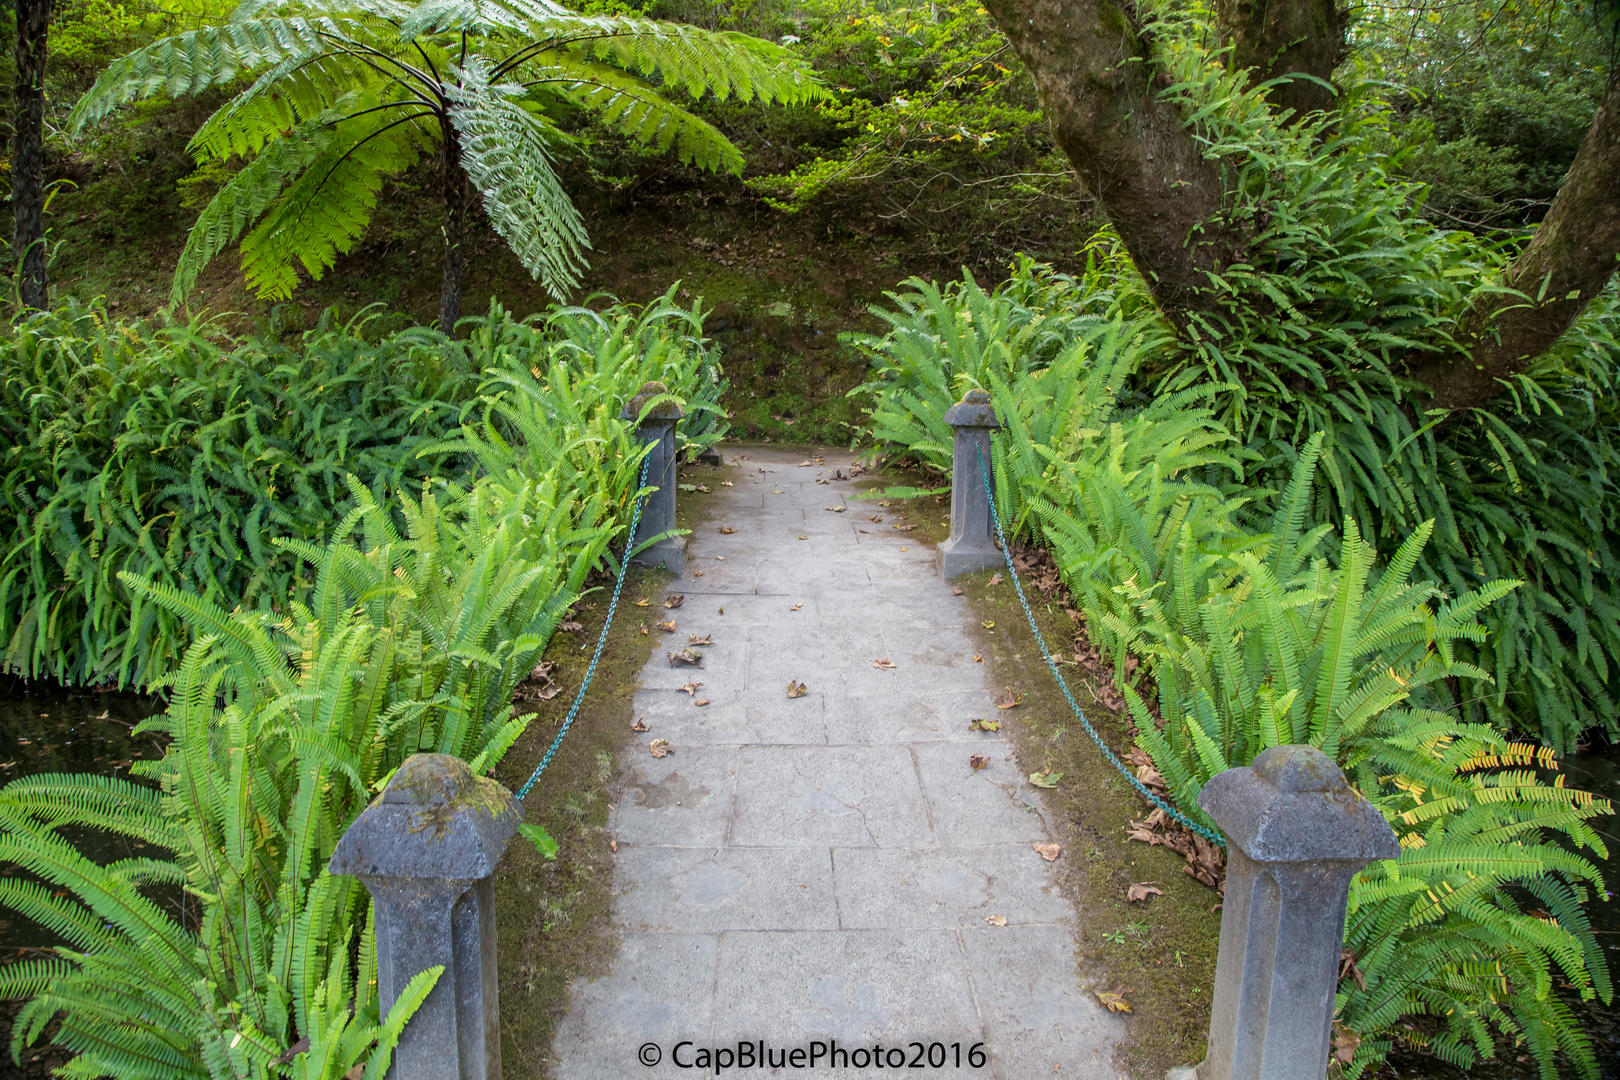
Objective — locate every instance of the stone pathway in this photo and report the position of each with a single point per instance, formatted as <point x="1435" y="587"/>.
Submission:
<point x="821" y="869"/>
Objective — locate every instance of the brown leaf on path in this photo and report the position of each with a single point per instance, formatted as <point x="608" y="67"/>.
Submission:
<point x="667" y="627"/>
<point x="796" y="689"/>
<point x="836" y="509"/>
<point x="613" y="846"/>
<point x="958" y="591"/>
<point x="1009" y="700"/>
<point x="727" y="483"/>
<point x="689" y="657"/>
<point x="697" y="573"/>
<point x="978" y="658"/>
<point x="797" y="607"/>
<point x="777" y="491"/>
<point x="883" y="663"/>
<point x="820" y="480"/>
<point x="689" y="688"/>
<point x="717" y="558"/>
<point x="701" y="701"/>
<point x="1114" y="999"/>
<point x="984" y="725"/>
<point x="996" y="580"/>
<point x="903" y="528"/>
<point x="698" y="639"/>
<point x="996" y="920"/>
<point x="874" y="517"/>
<point x="1141" y="891"/>
<point x="660" y="748"/>
<point x="1049" y="852"/>
<point x="726" y="530"/>
<point x="979" y="761"/>
<point x="804" y="536"/>
<point x="639" y="725"/>
<point x="806" y="463"/>
<point x="674" y="601"/>
<point x="570" y="627"/>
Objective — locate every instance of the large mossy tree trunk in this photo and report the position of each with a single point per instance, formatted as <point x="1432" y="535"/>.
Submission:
<point x="455" y="231"/>
<point x="1093" y="66"/>
<point x="28" y="154"/>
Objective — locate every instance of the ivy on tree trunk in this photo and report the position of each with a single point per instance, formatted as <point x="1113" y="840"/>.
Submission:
<point x="28" y="153"/>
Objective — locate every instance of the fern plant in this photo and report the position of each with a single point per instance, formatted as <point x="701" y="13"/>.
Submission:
<point x="280" y="731"/>
<point x="346" y="93"/>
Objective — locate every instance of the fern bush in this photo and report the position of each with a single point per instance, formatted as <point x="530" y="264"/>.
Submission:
<point x="281" y="729"/>
<point x="176" y="456"/>
<point x="1264" y="626"/>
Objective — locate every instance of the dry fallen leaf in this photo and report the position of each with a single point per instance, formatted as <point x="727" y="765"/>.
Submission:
<point x="690" y="687"/>
<point x="689" y="657"/>
<point x="874" y="517"/>
<point x="836" y="509"/>
<point x="698" y="639"/>
<point x="356" y="1073"/>
<point x="905" y="549"/>
<point x="613" y="846"/>
<point x="727" y="483"/>
<point x="674" y="601"/>
<point x="639" y="725"/>
<point x="996" y="920"/>
<point x="996" y="580"/>
<point x="979" y="761"/>
<point x="726" y="530"/>
<point x="1047" y="779"/>
<point x="701" y="701"/>
<point x="958" y="591"/>
<point x="1141" y="891"/>
<point x="777" y="491"/>
<point x="643" y="628"/>
<point x="796" y="689"/>
<point x="697" y="573"/>
<point x="984" y="725"/>
<point x="978" y="658"/>
<point x="1049" y="852"/>
<point x="570" y="627"/>
<point x="806" y="464"/>
<point x="667" y="627"/>
<point x="1114" y="999"/>
<point x="550" y="692"/>
<point x="903" y="528"/>
<point x="642" y="602"/>
<point x="1345" y="1042"/>
<point x="804" y="536"/>
<point x="883" y="663"/>
<point x="797" y="607"/>
<point x="819" y="480"/>
<point x="988" y="624"/>
<point x="660" y="748"/>
<point x="1008" y="700"/>
<point x="719" y="558"/>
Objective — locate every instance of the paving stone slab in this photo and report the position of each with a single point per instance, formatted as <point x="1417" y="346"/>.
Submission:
<point x="945" y="889"/>
<point x="736" y="717"/>
<point x="726" y="888"/>
<point x="825" y="795"/>
<point x="685" y="798"/>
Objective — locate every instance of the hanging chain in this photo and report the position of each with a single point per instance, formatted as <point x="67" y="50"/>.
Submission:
<point x="624" y="565"/>
<point x="1006" y="551"/>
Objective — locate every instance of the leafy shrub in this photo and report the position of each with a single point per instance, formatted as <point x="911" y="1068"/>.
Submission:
<point x="281" y="730"/>
<point x="1272" y="629"/>
<point x="166" y="454"/>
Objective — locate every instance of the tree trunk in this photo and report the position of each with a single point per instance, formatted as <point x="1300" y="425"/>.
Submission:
<point x="455" y="229"/>
<point x="1097" y="82"/>
<point x="28" y="153"/>
<point x="1568" y="262"/>
<point x="1281" y="37"/>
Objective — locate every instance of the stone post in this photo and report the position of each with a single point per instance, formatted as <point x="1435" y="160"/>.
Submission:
<point x="972" y="545"/>
<point x="427" y="849"/>
<point x="1296" y="834"/>
<point x="658" y="512"/>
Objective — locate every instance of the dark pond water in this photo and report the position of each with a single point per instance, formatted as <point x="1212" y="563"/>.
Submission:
<point x="48" y="728"/>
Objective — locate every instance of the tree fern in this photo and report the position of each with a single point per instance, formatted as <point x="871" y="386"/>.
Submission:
<point x="347" y="93"/>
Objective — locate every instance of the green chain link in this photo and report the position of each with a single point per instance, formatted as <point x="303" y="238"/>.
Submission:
<point x="624" y="564"/>
<point x="1006" y="551"/>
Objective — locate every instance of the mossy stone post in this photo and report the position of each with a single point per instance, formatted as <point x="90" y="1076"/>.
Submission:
<point x="427" y="849"/>
<point x="658" y="512"/>
<point x="972" y="545"/>
<point x="1296" y="834"/>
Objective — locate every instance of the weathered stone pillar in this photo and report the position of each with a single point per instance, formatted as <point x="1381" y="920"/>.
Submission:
<point x="427" y="849"/>
<point x="1296" y="834"/>
<point x="972" y="545"/>
<point x="658" y="512"/>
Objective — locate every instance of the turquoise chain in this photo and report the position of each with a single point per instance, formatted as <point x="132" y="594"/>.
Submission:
<point x="635" y="519"/>
<point x="1142" y="789"/>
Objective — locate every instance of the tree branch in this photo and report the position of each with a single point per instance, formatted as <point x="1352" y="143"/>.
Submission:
<point x="1568" y="262"/>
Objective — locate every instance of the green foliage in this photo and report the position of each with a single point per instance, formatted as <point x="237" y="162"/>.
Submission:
<point x="280" y="732"/>
<point x="1263" y="626"/>
<point x="346" y="95"/>
<point x="176" y="457"/>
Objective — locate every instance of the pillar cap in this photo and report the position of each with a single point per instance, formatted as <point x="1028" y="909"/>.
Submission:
<point x="1292" y="805"/>
<point x="664" y="410"/>
<point x="435" y="819"/>
<point x="974" y="410"/>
